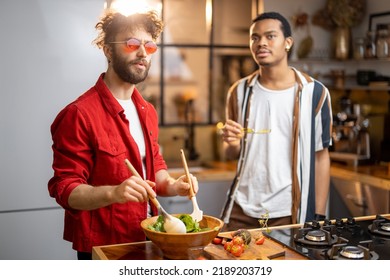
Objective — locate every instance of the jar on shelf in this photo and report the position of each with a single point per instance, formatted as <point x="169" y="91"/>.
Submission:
<point x="358" y="48"/>
<point x="382" y="43"/>
<point x="370" y="50"/>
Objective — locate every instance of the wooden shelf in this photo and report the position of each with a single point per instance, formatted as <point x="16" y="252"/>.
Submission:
<point x="332" y="60"/>
<point x="359" y="87"/>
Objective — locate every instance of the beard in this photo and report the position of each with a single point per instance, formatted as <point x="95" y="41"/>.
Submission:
<point x="124" y="70"/>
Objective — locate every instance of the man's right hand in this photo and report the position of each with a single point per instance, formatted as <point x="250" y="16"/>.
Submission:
<point x="133" y="189"/>
<point x="232" y="133"/>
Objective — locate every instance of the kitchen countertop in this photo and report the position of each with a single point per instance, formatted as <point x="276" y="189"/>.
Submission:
<point x="375" y="175"/>
<point x="146" y="250"/>
<point x="208" y="171"/>
<point x="149" y="251"/>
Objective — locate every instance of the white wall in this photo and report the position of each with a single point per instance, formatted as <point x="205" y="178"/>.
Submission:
<point x="47" y="60"/>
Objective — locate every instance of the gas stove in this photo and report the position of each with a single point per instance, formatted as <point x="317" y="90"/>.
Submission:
<point x="364" y="238"/>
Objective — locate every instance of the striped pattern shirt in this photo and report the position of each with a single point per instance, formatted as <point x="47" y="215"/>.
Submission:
<point x="311" y="132"/>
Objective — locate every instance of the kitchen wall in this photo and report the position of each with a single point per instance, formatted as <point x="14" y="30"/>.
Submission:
<point x="47" y="61"/>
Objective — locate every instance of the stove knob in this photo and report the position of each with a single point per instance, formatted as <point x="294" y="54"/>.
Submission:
<point x="339" y="223"/>
<point x="351" y="221"/>
<point x="315" y="224"/>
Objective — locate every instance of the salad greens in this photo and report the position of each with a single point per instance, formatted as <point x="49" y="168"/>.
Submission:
<point x="191" y="225"/>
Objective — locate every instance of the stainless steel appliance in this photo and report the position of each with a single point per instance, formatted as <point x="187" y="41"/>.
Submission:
<point x="351" y="139"/>
<point x="340" y="239"/>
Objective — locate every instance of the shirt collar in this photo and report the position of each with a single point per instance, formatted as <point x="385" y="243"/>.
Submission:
<point x="109" y="101"/>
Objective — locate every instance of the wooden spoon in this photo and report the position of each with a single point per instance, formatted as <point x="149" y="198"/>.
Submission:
<point x="171" y="223"/>
<point x="197" y="214"/>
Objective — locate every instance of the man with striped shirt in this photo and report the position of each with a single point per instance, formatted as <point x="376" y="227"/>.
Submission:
<point x="278" y="126"/>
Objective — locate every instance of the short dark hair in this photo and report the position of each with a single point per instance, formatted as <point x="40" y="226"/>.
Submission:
<point x="285" y="25"/>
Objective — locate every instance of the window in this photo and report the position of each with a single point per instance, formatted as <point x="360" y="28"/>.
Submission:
<point x="203" y="48"/>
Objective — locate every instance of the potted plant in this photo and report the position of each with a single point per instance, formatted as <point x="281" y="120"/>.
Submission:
<point x="345" y="14"/>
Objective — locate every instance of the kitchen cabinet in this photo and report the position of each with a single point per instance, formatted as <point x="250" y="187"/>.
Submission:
<point x="353" y="198"/>
<point x="359" y="191"/>
<point x="342" y="74"/>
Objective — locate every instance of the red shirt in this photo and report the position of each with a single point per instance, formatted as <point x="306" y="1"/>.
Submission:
<point x="91" y="140"/>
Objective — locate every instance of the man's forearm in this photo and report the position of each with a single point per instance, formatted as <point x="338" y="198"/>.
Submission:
<point x="322" y="180"/>
<point x="86" y="197"/>
<point x="231" y="151"/>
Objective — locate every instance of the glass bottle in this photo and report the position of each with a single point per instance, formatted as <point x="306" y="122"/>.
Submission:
<point x="382" y="44"/>
<point x="388" y="41"/>
<point x="358" y="48"/>
<point x="370" y="50"/>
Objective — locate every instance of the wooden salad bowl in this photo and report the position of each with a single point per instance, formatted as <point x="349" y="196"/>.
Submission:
<point x="181" y="245"/>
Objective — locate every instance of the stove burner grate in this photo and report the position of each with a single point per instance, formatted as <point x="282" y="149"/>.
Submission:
<point x="380" y="226"/>
<point x="315" y="237"/>
<point x="352" y="252"/>
<point x="343" y="251"/>
<point x="386" y="227"/>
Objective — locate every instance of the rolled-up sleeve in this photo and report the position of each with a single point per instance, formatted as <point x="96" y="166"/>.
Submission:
<point x="72" y="156"/>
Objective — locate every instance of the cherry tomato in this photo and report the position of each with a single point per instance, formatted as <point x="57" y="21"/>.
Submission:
<point x="217" y="240"/>
<point x="238" y="240"/>
<point x="260" y="240"/>
<point x="228" y="246"/>
<point x="236" y="250"/>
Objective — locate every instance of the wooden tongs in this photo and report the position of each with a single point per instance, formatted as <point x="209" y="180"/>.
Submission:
<point x="171" y="224"/>
<point x="197" y="214"/>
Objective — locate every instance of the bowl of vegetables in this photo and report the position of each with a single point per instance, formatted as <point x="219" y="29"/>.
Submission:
<point x="179" y="245"/>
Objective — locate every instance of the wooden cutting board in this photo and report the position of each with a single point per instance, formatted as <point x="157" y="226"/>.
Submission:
<point x="267" y="251"/>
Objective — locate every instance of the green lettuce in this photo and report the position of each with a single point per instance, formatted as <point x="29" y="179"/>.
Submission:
<point x="191" y="225"/>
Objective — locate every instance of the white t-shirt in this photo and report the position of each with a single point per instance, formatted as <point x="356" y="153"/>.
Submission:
<point x="135" y="127"/>
<point x="265" y="184"/>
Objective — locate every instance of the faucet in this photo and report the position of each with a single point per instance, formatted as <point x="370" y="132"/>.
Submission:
<point x="189" y="143"/>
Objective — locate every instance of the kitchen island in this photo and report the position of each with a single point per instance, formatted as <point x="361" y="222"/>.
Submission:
<point x="147" y="250"/>
<point x="375" y="175"/>
<point x="367" y="235"/>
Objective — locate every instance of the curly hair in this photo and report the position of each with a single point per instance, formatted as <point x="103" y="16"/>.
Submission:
<point x="113" y="23"/>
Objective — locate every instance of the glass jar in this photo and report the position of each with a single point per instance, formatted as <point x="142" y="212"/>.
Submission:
<point x="358" y="48"/>
<point x="370" y="50"/>
<point x="382" y="44"/>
